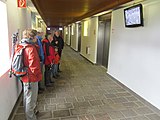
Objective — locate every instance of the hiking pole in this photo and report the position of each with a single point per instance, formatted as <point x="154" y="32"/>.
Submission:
<point x="14" y="41"/>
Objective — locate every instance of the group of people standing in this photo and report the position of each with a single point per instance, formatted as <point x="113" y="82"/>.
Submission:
<point x="52" y="46"/>
<point x="38" y="53"/>
<point x="51" y="49"/>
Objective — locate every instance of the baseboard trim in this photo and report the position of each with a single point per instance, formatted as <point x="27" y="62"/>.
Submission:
<point x="15" y="106"/>
<point x="155" y="109"/>
<point x="88" y="59"/>
<point x="73" y="49"/>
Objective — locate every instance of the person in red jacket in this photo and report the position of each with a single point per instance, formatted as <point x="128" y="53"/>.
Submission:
<point x="49" y="55"/>
<point x="59" y="42"/>
<point x="34" y="75"/>
<point x="56" y="62"/>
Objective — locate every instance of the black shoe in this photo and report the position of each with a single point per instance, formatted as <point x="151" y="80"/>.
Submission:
<point x="36" y="112"/>
<point x="58" y="75"/>
<point x="51" y="81"/>
<point x="41" y="89"/>
<point x="54" y="76"/>
<point x="49" y="85"/>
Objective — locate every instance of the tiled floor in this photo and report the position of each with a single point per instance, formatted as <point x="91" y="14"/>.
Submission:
<point x="85" y="92"/>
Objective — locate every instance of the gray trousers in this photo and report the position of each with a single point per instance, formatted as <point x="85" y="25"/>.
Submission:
<point x="30" y="99"/>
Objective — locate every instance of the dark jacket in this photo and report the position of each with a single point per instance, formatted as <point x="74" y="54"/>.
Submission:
<point x="49" y="53"/>
<point x="60" y="44"/>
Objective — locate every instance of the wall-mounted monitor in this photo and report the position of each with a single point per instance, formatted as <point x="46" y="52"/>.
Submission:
<point x="133" y="16"/>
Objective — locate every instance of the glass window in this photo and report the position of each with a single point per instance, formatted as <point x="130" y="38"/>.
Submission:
<point x="4" y="45"/>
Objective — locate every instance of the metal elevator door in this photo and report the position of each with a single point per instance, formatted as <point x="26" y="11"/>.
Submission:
<point x="103" y="43"/>
<point x="79" y="37"/>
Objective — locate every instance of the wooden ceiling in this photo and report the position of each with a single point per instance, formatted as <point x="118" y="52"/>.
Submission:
<point x="64" y="12"/>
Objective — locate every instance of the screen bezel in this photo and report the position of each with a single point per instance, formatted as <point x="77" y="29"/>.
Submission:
<point x="141" y="16"/>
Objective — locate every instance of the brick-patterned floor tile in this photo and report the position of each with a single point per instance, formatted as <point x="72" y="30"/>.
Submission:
<point x="85" y="92"/>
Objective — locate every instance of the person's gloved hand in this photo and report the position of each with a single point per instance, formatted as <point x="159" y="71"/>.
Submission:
<point x="51" y="65"/>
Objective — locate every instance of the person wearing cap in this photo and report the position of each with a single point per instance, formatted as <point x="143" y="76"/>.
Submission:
<point x="49" y="56"/>
<point x="41" y="56"/>
<point x="58" y="41"/>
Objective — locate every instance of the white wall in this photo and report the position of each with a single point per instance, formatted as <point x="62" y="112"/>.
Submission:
<point x="74" y="37"/>
<point x="9" y="87"/>
<point x="68" y="40"/>
<point x="65" y="33"/>
<point x="134" y="57"/>
<point x="90" y="40"/>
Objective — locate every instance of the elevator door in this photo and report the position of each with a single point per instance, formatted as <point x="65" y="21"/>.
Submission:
<point x="79" y="37"/>
<point x="70" y="35"/>
<point x="100" y="42"/>
<point x="103" y="43"/>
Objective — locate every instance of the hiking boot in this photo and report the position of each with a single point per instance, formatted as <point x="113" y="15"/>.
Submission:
<point x="58" y="75"/>
<point x="54" y="76"/>
<point x="51" y="81"/>
<point x="49" y="85"/>
<point x="41" y="89"/>
<point x="36" y="112"/>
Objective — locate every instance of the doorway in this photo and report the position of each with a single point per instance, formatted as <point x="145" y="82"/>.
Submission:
<point x="103" y="40"/>
<point x="79" y="37"/>
<point x="70" y="35"/>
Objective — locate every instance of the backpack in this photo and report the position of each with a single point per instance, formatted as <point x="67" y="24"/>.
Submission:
<point x="18" y="68"/>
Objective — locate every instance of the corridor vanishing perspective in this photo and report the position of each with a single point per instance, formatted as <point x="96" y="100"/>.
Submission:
<point x="85" y="92"/>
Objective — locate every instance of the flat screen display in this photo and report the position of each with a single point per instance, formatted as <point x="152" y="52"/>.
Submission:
<point x="133" y="16"/>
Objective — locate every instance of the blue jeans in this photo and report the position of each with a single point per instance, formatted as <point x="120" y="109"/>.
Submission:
<point x="55" y="69"/>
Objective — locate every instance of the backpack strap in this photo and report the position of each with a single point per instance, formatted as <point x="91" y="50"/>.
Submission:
<point x="24" y="46"/>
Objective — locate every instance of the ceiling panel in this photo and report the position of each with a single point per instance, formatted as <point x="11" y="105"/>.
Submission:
<point x="64" y="12"/>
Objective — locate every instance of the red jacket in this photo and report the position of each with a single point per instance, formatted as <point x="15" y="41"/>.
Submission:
<point x="57" y="58"/>
<point x="49" y="53"/>
<point x="32" y="61"/>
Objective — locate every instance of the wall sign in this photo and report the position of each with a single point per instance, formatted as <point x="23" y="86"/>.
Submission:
<point x="21" y="3"/>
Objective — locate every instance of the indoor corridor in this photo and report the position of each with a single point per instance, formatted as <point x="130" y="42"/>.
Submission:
<point x="85" y="92"/>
